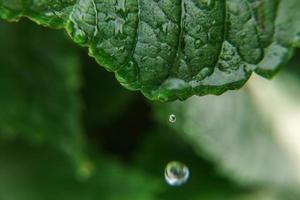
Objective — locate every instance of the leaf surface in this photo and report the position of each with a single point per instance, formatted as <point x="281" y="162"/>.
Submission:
<point x="173" y="49"/>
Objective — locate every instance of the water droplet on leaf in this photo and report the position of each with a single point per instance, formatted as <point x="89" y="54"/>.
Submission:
<point x="172" y="118"/>
<point x="165" y="28"/>
<point x="176" y="173"/>
<point x="79" y="36"/>
<point x="119" y="23"/>
<point x="120" y="5"/>
<point x="198" y="44"/>
<point x="207" y="4"/>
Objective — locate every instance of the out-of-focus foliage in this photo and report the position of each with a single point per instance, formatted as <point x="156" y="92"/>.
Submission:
<point x="163" y="145"/>
<point x="32" y="173"/>
<point x="39" y="84"/>
<point x="55" y="104"/>
<point x="252" y="135"/>
<point x="40" y="104"/>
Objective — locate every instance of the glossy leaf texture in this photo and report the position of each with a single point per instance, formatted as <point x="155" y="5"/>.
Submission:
<point x="173" y="49"/>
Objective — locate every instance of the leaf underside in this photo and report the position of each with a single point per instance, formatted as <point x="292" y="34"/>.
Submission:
<point x="173" y="49"/>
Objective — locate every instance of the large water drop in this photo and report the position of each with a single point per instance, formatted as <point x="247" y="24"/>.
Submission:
<point x="172" y="118"/>
<point x="176" y="173"/>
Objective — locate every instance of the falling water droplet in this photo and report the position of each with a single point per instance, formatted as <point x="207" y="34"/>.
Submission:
<point x="176" y="173"/>
<point x="172" y="118"/>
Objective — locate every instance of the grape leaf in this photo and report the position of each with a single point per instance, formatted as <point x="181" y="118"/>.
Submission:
<point x="39" y="86"/>
<point x="252" y="136"/>
<point x="173" y="49"/>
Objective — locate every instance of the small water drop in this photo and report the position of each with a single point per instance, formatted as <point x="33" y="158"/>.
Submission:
<point x="119" y="23"/>
<point x="172" y="118"/>
<point x="165" y="27"/>
<point x="207" y="4"/>
<point x="109" y="18"/>
<point x="121" y="49"/>
<point x="198" y="44"/>
<point x="176" y="173"/>
<point x="120" y="5"/>
<point x="79" y="36"/>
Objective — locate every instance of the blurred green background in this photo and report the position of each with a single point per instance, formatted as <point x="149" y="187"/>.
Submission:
<point x="69" y="131"/>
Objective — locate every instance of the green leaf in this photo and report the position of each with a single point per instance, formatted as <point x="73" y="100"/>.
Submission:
<point x="252" y="135"/>
<point x="174" y="49"/>
<point x="39" y="86"/>
<point x="31" y="173"/>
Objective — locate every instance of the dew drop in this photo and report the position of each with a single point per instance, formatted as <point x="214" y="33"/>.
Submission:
<point x="172" y="118"/>
<point x="79" y="36"/>
<point x="120" y="6"/>
<point x="108" y="18"/>
<point x="119" y="23"/>
<point x="198" y="44"/>
<point x="208" y="4"/>
<point x="165" y="27"/>
<point x="297" y="37"/>
<point x="176" y="173"/>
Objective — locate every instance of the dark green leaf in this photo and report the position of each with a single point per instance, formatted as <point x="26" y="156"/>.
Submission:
<point x="173" y="49"/>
